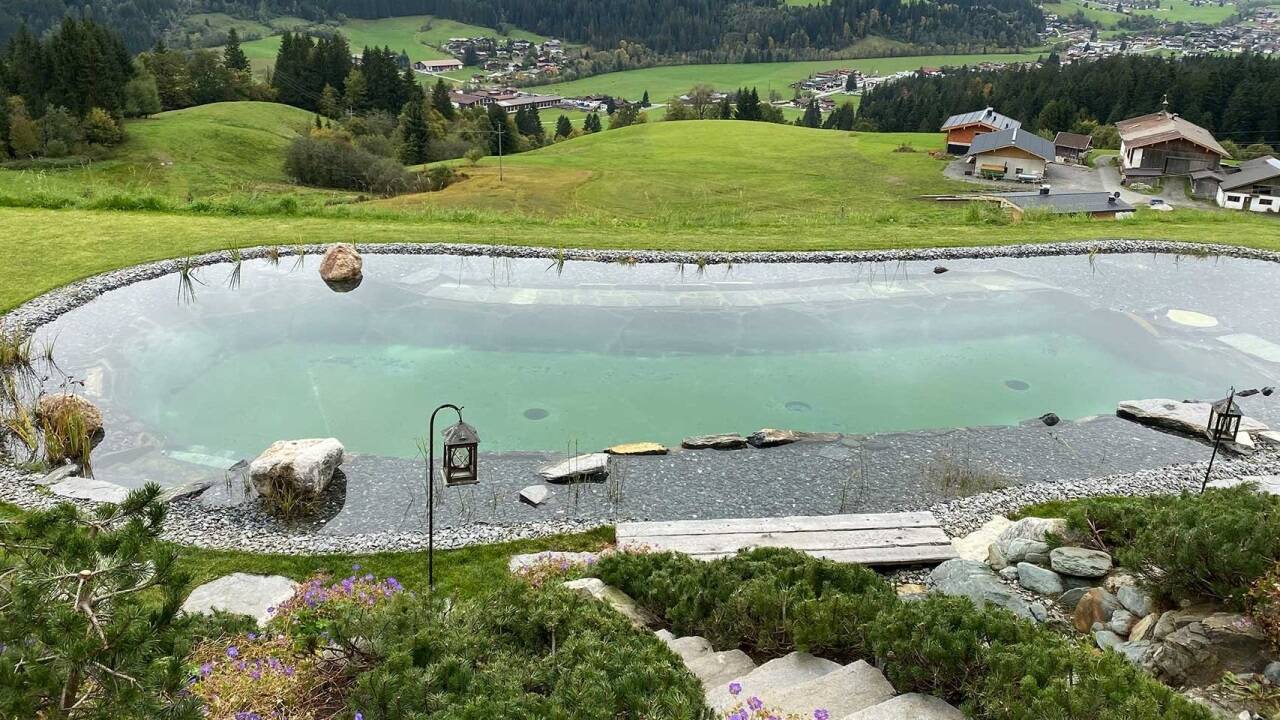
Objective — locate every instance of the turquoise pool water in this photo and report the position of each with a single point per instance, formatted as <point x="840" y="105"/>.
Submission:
<point x="600" y="354"/>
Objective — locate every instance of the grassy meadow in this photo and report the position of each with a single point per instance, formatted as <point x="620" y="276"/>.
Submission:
<point x="672" y="80"/>
<point x="1169" y="10"/>
<point x="210" y="178"/>
<point x="421" y="36"/>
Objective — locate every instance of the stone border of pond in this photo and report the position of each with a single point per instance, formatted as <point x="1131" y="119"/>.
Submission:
<point x="243" y="527"/>
<point x="45" y="308"/>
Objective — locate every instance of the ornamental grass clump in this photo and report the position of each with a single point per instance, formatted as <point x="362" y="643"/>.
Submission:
<point x="254" y="676"/>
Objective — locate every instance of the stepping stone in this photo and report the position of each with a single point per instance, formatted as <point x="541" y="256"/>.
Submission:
<point x="691" y="648"/>
<point x="58" y="474"/>
<point x="520" y="562"/>
<point x="771" y="437"/>
<point x="851" y="688"/>
<point x="727" y="441"/>
<point x="618" y="600"/>
<point x="639" y="448"/>
<point x="977" y="544"/>
<point x="242" y="594"/>
<point x="1191" y="418"/>
<point x="1269" y="484"/>
<point x="1191" y="318"/>
<point x="592" y="467"/>
<point x="535" y="495"/>
<point x="772" y="677"/>
<point x="912" y="706"/>
<point x="79" y="488"/>
<point x="717" y="669"/>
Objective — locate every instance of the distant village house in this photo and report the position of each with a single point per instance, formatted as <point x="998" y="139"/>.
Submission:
<point x="1013" y="154"/>
<point x="1255" y="186"/>
<point x="963" y="128"/>
<point x="436" y="66"/>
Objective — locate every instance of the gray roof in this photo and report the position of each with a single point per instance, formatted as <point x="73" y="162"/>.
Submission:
<point x="1014" y="137"/>
<point x="1067" y="202"/>
<point x="1253" y="171"/>
<point x="986" y="116"/>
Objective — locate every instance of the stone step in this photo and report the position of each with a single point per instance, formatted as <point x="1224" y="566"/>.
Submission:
<point x="691" y="648"/>
<point x="717" y="669"/>
<point x="772" y="678"/>
<point x="851" y="688"/>
<point x="912" y="706"/>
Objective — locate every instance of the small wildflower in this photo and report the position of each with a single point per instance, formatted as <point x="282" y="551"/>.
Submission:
<point x="734" y="689"/>
<point x="820" y="714"/>
<point x="233" y="651"/>
<point x="755" y="703"/>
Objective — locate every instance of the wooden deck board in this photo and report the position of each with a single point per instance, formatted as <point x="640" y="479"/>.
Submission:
<point x="870" y="539"/>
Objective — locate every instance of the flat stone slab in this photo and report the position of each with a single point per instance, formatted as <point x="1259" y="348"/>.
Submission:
<point x="1269" y="484"/>
<point x="977" y="544"/>
<point x="638" y="448"/>
<point x="616" y="599"/>
<point x="535" y="495"/>
<point x="1191" y="318"/>
<point x="774" y="676"/>
<point x="1252" y="345"/>
<point x="772" y="437"/>
<point x="1080" y="562"/>
<point x="1191" y="418"/>
<point x="242" y="594"/>
<point x="555" y="557"/>
<point x="79" y="488"/>
<point x="591" y="467"/>
<point x="725" y="441"/>
<point x="912" y="706"/>
<point x="976" y="581"/>
<point x="871" y="539"/>
<point x="854" y="687"/>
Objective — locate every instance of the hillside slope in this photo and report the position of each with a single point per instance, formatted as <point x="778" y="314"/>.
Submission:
<point x="206" y="151"/>
<point x="719" y="171"/>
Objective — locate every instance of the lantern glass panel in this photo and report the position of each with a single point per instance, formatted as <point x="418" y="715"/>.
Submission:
<point x="460" y="464"/>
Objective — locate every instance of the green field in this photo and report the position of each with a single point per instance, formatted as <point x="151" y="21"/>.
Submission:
<point x="672" y="80"/>
<point x="1170" y="10"/>
<point x="687" y="185"/>
<point x="398" y="33"/>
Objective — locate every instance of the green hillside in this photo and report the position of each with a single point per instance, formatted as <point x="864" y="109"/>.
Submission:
<point x="666" y="81"/>
<point x="210" y="150"/>
<point x="708" y="171"/>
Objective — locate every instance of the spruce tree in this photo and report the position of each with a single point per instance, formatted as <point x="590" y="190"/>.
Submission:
<point x="724" y="111"/>
<point x="591" y="124"/>
<point x="812" y="115"/>
<point x="232" y="56"/>
<point x="644" y="101"/>
<point x="414" y="133"/>
<point x="748" y="105"/>
<point x="564" y="128"/>
<point x="441" y="101"/>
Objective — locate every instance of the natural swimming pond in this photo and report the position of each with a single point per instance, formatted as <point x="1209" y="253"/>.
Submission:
<point x="585" y="355"/>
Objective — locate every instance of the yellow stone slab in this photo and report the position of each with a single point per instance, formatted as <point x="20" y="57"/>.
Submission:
<point x="639" y="448"/>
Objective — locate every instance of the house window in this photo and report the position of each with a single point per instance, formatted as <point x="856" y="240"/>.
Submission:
<point x="1263" y="201"/>
<point x="1233" y="198"/>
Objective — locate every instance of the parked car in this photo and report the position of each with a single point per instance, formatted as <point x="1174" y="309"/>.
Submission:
<point x="1161" y="205"/>
<point x="1029" y="177"/>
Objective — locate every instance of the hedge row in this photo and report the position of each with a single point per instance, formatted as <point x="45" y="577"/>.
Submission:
<point x="989" y="662"/>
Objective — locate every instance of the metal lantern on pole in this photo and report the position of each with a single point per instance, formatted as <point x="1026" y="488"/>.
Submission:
<point x="460" y="465"/>
<point x="1224" y="424"/>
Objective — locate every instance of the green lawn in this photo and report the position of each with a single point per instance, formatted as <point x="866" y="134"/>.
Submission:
<point x="667" y="81"/>
<point x="398" y="33"/>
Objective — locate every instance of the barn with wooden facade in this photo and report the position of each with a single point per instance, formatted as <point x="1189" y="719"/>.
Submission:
<point x="963" y="128"/>
<point x="1162" y="143"/>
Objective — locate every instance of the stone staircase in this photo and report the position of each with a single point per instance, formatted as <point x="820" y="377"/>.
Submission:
<point x="801" y="683"/>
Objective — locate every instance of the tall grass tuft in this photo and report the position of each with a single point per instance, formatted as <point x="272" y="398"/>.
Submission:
<point x="187" y="281"/>
<point x="67" y="437"/>
<point x="300" y="257"/>
<point x="237" y="262"/>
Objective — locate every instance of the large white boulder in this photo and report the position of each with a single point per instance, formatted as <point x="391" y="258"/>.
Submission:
<point x="591" y="467"/>
<point x="1191" y="418"/>
<point x="241" y="594"/>
<point x="304" y="466"/>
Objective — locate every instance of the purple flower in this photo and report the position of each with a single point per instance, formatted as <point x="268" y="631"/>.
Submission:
<point x="233" y="651"/>
<point x="820" y="714"/>
<point x="206" y="670"/>
<point x="359" y="716"/>
<point x="355" y="568"/>
<point x="734" y="689"/>
<point x="252" y="636"/>
<point x="755" y="703"/>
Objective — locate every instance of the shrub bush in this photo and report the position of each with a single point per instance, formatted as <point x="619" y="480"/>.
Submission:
<point x="517" y="653"/>
<point x="1264" y="604"/>
<point x="333" y="163"/>
<point x="1192" y="547"/>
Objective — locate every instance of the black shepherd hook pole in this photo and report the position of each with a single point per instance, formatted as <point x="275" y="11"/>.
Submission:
<point x="431" y="493"/>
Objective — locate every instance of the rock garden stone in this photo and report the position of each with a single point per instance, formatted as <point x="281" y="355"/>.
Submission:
<point x="242" y="594"/>
<point x="1136" y="601"/>
<point x="1008" y="574"/>
<point x="1026" y="536"/>
<point x="528" y="560"/>
<point x="1144" y="629"/>
<point x="1138" y="652"/>
<point x="1121" y="622"/>
<point x="771" y="437"/>
<point x="304" y="466"/>
<point x="727" y="441"/>
<point x="618" y="600"/>
<point x="1272" y="673"/>
<point x="1038" y="579"/>
<point x="1080" y="562"/>
<point x="1095" y="606"/>
<point x="976" y="581"/>
<point x="977" y="544"/>
<point x="1199" y="653"/>
<point x="592" y="467"/>
<point x="1039" y="612"/>
<point x="639" y="448"/>
<point x="1107" y="639"/>
<point x="58" y="474"/>
<point x="342" y="267"/>
<point x="1071" y="598"/>
<point x="1175" y="620"/>
<point x="911" y="706"/>
<point x="79" y="488"/>
<point x="911" y="591"/>
<point x="535" y="495"/>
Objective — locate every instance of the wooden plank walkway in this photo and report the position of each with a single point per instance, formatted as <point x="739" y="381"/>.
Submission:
<point x="913" y="538"/>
